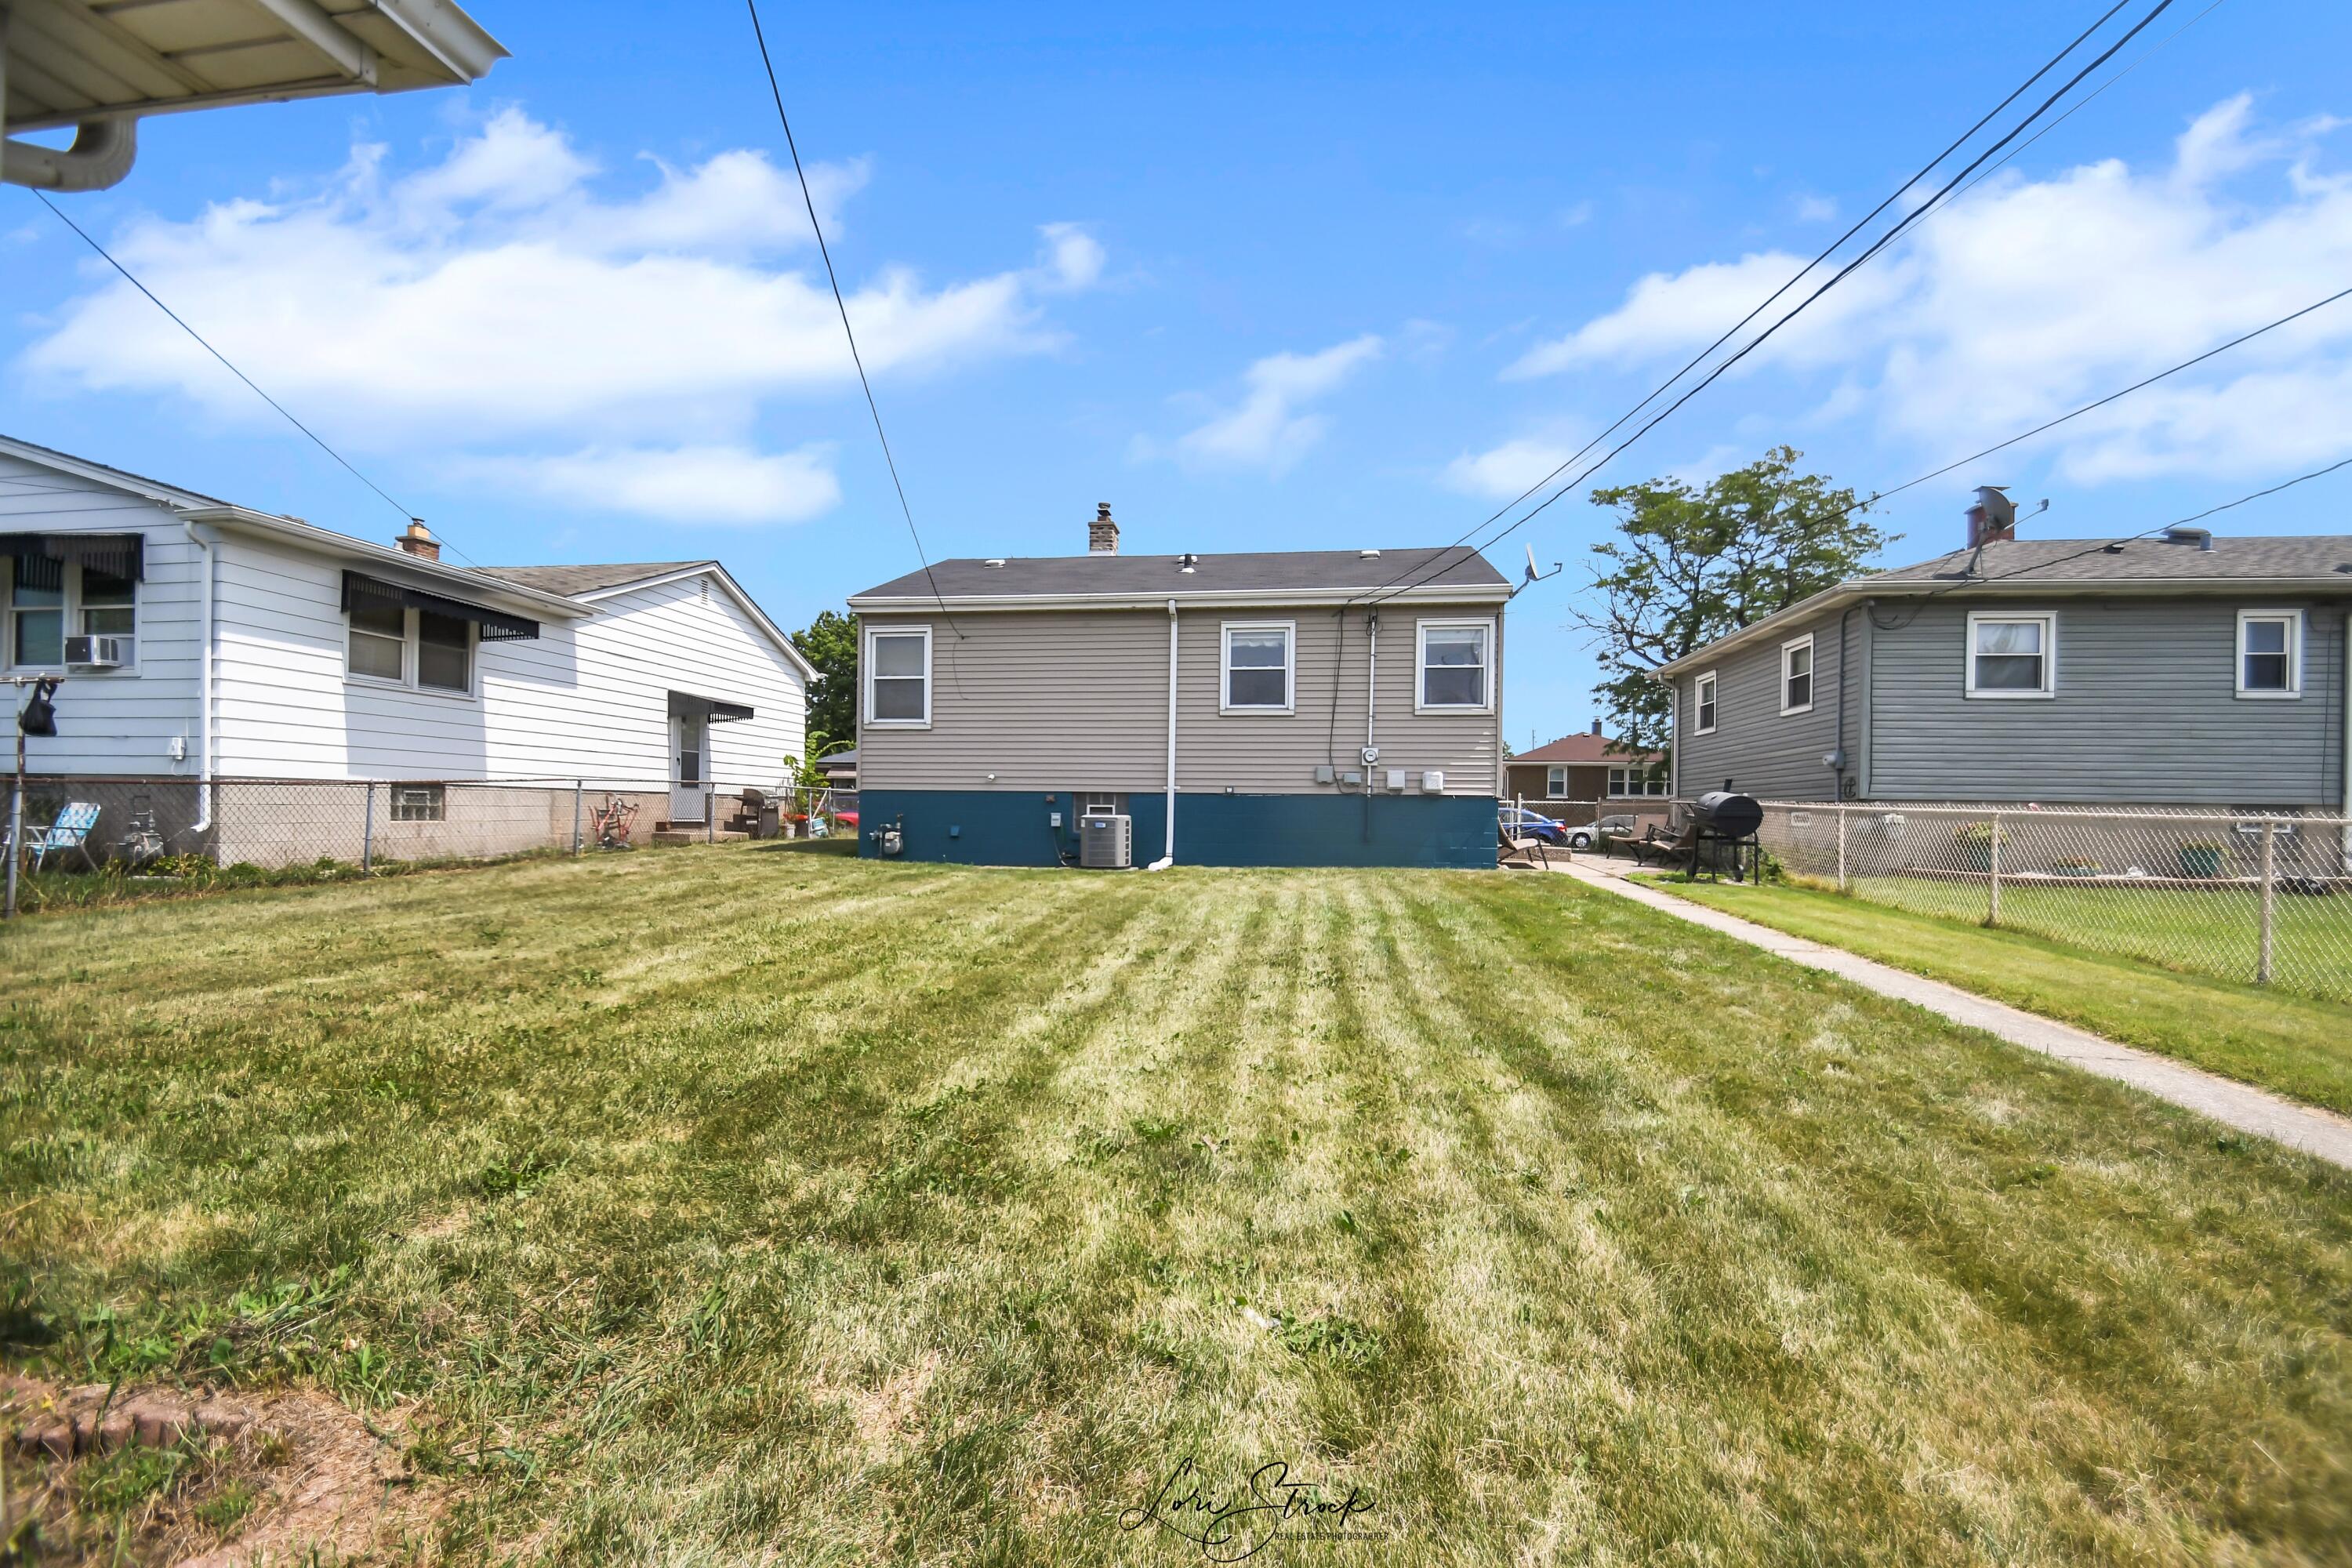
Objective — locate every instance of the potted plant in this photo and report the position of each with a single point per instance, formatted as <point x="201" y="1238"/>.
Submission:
<point x="2074" y="865"/>
<point x="1975" y="841"/>
<point x="2202" y="857"/>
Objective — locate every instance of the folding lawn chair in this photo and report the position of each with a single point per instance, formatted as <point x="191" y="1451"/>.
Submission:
<point x="70" y="830"/>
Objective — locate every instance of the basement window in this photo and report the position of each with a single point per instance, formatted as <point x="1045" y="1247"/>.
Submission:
<point x="420" y="803"/>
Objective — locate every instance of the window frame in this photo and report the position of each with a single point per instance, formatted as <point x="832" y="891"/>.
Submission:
<point x="1486" y="668"/>
<point x="411" y="653"/>
<point x="69" y="608"/>
<point x="1706" y="693"/>
<point x="2048" y="620"/>
<point x="1225" y="704"/>
<point x="1556" y="791"/>
<point x="434" y="807"/>
<point x="1637" y="779"/>
<point x="1812" y="673"/>
<point x="867" y="668"/>
<point x="2293" y="620"/>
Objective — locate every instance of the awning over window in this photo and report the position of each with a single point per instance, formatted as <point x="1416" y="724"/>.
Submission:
<point x="45" y="554"/>
<point x="498" y="626"/>
<point x="686" y="705"/>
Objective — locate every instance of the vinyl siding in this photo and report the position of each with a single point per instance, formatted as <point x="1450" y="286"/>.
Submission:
<point x="1760" y="751"/>
<point x="1078" y="700"/>
<point x="589" y="699"/>
<point x="2146" y="709"/>
<point x="586" y="698"/>
<point x="113" y="721"/>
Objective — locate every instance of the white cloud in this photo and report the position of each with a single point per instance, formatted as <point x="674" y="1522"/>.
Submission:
<point x="1816" y="210"/>
<point x="2031" y="297"/>
<point x="726" y="485"/>
<point x="499" y="302"/>
<point x="1266" y="429"/>
<point x="1501" y="473"/>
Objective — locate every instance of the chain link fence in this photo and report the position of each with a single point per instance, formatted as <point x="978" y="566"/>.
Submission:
<point x="2264" y="896"/>
<point x="273" y="824"/>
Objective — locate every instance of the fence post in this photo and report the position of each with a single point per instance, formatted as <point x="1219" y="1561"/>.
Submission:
<point x="710" y="816"/>
<point x="1992" y="902"/>
<point x="579" y="787"/>
<point x="1840" y="821"/>
<point x="2270" y="898"/>
<point x="367" y="829"/>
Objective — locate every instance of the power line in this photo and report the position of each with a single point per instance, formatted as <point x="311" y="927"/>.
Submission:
<point x="839" y="304"/>
<point x="1794" y="278"/>
<point x="1759" y="340"/>
<point x="177" y="320"/>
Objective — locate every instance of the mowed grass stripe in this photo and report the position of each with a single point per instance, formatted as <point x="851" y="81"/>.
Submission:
<point x="830" y="1211"/>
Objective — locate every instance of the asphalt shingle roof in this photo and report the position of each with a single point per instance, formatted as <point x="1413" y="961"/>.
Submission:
<point x="2322" y="557"/>
<point x="569" y="580"/>
<point x="1254" y="572"/>
<point x="1581" y="747"/>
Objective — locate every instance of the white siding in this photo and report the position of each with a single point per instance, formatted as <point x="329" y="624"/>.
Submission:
<point x="118" y="721"/>
<point x="588" y="699"/>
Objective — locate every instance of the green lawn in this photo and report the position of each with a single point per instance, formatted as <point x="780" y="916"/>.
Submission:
<point x="2296" y="1045"/>
<point x="750" y="1204"/>
<point x="2213" y="931"/>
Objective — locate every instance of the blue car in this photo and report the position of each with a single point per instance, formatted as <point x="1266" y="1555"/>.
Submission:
<point x="1521" y="822"/>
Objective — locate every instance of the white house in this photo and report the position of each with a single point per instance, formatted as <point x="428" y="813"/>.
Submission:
<point x="204" y="644"/>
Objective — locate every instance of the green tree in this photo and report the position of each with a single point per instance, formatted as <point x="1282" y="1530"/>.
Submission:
<point x="830" y="643"/>
<point x="1688" y="566"/>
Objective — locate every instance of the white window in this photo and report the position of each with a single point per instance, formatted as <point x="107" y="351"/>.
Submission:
<point x="410" y="648"/>
<point x="2012" y="655"/>
<point x="898" y="677"/>
<point x="49" y="601"/>
<point x="1555" y="784"/>
<point x="1257" y="667"/>
<point x="2270" y="653"/>
<point x="1624" y="782"/>
<point x="1702" y="704"/>
<point x="1796" y="675"/>
<point x="1457" y="666"/>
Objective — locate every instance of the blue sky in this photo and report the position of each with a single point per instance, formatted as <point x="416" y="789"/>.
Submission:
<point x="1340" y="278"/>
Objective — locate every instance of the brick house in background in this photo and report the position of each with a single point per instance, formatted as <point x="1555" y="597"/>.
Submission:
<point x="1587" y="766"/>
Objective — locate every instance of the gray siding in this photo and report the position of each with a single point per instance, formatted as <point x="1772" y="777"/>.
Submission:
<point x="1761" y="750"/>
<point x="2146" y="709"/>
<point x="1070" y="700"/>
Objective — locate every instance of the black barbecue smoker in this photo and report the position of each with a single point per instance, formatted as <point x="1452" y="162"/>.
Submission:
<point x="1723" y="829"/>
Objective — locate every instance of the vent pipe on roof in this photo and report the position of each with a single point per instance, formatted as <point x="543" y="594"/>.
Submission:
<point x="1102" y="533"/>
<point x="1596" y="726"/>
<point x="2202" y="538"/>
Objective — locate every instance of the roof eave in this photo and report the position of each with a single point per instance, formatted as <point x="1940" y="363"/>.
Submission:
<point x="1481" y="593"/>
<point x="326" y="541"/>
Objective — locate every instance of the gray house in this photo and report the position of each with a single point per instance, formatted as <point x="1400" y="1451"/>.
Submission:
<point x="1242" y="710"/>
<point x="2181" y="669"/>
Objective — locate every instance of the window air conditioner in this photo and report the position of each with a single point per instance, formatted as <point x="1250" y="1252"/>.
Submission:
<point x="97" y="653"/>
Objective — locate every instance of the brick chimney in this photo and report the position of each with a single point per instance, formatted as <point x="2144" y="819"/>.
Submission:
<point x="1993" y="518"/>
<point x="418" y="541"/>
<point x="1102" y="533"/>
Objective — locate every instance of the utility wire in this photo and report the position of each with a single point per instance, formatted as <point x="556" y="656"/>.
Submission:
<point x="1759" y="340"/>
<point x="1794" y="278"/>
<point x="2150" y="53"/>
<point x="839" y="304"/>
<point x="178" y="321"/>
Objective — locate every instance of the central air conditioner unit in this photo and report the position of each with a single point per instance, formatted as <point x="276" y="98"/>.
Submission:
<point x="1105" y="841"/>
<point x="98" y="652"/>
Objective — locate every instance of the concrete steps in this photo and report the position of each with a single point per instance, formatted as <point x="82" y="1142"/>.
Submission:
<point x="694" y="833"/>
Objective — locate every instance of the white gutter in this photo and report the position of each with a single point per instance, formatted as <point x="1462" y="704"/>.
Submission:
<point x="204" y="678"/>
<point x="1167" y="859"/>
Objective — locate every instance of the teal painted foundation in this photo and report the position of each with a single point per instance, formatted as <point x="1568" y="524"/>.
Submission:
<point x="1010" y="828"/>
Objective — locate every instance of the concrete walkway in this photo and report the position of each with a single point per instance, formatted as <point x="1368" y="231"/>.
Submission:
<point x="2226" y="1100"/>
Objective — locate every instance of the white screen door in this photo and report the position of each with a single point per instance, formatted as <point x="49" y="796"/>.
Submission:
<point x="689" y="786"/>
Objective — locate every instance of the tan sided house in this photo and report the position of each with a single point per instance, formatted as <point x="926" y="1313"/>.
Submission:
<point x="1296" y="707"/>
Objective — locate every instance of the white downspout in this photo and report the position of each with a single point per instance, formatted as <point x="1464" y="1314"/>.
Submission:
<point x="203" y="681"/>
<point x="1371" y="689"/>
<point x="1168" y="857"/>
